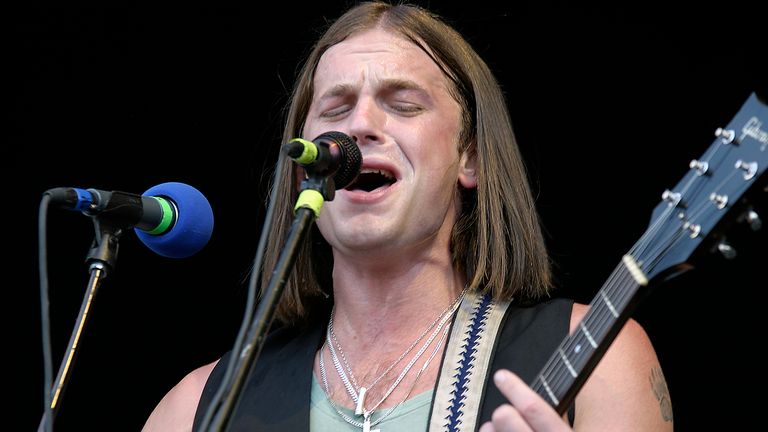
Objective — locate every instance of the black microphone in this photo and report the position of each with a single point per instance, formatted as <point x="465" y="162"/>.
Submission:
<point x="173" y="219"/>
<point x="331" y="153"/>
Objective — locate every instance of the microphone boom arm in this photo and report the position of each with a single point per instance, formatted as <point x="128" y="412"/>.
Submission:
<point x="315" y="191"/>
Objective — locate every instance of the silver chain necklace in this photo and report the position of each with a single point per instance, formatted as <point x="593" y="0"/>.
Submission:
<point x="357" y="393"/>
<point x="366" y="424"/>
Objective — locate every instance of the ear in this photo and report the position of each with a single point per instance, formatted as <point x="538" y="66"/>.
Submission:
<point x="467" y="166"/>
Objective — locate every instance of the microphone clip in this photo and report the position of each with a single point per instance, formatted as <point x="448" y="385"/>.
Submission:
<point x="106" y="242"/>
<point x="315" y="190"/>
<point x="330" y="161"/>
<point x="122" y="209"/>
<point x="112" y="213"/>
<point x="324" y="185"/>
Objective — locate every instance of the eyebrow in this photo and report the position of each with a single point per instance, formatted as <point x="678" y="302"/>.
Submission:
<point x="390" y="84"/>
<point x="337" y="90"/>
<point x="402" y="84"/>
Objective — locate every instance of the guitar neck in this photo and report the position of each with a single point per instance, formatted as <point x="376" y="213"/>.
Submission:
<point x="714" y="193"/>
<point x="577" y="355"/>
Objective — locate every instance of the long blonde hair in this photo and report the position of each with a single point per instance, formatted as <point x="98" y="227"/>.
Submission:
<point x="497" y="239"/>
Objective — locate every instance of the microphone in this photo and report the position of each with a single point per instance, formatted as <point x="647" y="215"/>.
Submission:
<point x="331" y="153"/>
<point x="172" y="219"/>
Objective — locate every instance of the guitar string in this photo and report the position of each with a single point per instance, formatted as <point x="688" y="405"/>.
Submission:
<point x="647" y="238"/>
<point x="561" y="377"/>
<point x="597" y="321"/>
<point x="694" y="214"/>
<point x="709" y="158"/>
<point x="594" y="322"/>
<point x="554" y="366"/>
<point x="601" y="321"/>
<point x="691" y="182"/>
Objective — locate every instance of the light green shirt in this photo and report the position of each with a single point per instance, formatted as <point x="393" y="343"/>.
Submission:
<point x="412" y="415"/>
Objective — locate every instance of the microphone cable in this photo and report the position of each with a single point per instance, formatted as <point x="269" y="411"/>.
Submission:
<point x="42" y="249"/>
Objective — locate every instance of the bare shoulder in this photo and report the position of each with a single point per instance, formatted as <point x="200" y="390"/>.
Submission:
<point x="176" y="411"/>
<point x="627" y="390"/>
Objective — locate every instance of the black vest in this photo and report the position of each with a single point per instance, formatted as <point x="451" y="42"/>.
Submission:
<point x="276" y="395"/>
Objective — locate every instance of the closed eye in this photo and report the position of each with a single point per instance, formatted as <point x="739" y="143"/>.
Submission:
<point x="406" y="108"/>
<point x="335" y="112"/>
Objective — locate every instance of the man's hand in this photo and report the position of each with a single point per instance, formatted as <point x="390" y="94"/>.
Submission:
<point x="527" y="411"/>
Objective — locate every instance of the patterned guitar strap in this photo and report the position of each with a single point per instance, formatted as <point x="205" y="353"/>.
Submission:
<point x="466" y="364"/>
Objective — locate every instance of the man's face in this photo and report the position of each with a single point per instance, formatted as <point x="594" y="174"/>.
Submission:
<point x="390" y="96"/>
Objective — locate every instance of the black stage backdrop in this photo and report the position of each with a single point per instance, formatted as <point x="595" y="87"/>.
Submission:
<point x="609" y="103"/>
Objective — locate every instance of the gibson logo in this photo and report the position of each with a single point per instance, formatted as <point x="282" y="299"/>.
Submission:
<point x="752" y="129"/>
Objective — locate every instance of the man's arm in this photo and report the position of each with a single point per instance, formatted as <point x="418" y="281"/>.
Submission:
<point x="626" y="392"/>
<point x="176" y="411"/>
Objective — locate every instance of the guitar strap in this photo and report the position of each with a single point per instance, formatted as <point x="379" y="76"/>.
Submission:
<point x="466" y="364"/>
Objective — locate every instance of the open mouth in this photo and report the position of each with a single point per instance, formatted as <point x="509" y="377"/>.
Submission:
<point x="370" y="180"/>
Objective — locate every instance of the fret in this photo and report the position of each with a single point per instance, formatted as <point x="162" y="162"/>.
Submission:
<point x="609" y="304"/>
<point x="578" y="352"/>
<point x="587" y="334"/>
<point x="567" y="363"/>
<point x="551" y="395"/>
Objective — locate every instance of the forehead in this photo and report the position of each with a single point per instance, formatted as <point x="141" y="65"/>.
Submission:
<point x="377" y="55"/>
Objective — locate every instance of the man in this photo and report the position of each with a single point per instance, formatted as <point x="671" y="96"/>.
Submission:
<point x="439" y="225"/>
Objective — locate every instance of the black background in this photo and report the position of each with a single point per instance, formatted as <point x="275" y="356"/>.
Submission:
<point x="609" y="104"/>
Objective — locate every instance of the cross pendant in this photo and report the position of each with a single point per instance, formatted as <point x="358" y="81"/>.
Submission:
<point x="367" y="426"/>
<point x="359" y="409"/>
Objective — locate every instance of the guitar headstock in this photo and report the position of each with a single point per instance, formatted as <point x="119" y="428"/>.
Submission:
<point x="718" y="190"/>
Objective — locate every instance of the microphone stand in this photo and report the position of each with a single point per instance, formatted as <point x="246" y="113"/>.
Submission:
<point x="314" y="191"/>
<point x="101" y="260"/>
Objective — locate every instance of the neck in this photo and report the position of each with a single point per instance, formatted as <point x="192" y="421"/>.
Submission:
<point x="392" y="328"/>
<point x="379" y="302"/>
<point x="386" y="305"/>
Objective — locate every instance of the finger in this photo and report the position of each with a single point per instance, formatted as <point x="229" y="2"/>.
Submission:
<point x="507" y="419"/>
<point x="486" y="427"/>
<point x="533" y="409"/>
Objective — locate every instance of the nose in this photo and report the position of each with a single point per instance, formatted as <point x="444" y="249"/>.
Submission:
<point x="366" y="122"/>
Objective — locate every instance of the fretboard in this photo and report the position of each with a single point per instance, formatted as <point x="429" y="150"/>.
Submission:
<point x="577" y="355"/>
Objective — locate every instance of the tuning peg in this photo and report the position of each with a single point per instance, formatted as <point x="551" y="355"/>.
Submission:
<point x="726" y="135"/>
<point x="700" y="167"/>
<point x="726" y="250"/>
<point x="672" y="198"/>
<point x="749" y="168"/>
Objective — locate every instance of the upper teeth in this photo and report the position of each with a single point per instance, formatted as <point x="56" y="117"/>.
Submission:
<point x="384" y="173"/>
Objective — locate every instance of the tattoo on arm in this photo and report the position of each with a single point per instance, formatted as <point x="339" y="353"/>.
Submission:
<point x="660" y="390"/>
